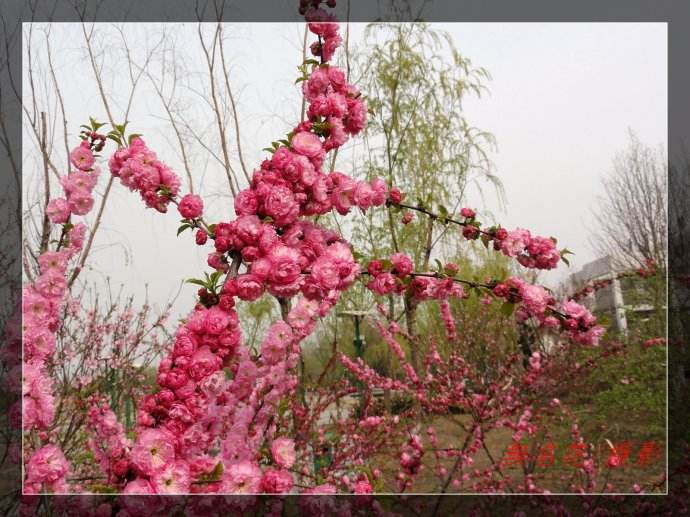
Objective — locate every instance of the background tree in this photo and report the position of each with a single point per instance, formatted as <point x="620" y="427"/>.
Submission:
<point x="631" y="217"/>
<point x="415" y="81"/>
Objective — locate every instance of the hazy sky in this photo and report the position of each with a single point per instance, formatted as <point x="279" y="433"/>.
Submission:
<point x="560" y="102"/>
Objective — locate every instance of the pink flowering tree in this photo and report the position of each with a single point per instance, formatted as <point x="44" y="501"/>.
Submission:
<point x="224" y="417"/>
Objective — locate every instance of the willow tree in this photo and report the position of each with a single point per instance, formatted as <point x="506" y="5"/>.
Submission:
<point x="415" y="82"/>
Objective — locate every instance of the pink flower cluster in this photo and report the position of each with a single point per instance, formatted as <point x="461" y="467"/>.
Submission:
<point x="108" y="442"/>
<point x="140" y="170"/>
<point x="535" y="301"/>
<point x="291" y="184"/>
<point x="323" y="25"/>
<point x="531" y="252"/>
<point x="410" y="461"/>
<point x="77" y="185"/>
<point x="387" y="276"/>
<point x="397" y="276"/>
<point x="305" y="258"/>
<point x="429" y="288"/>
<point x="581" y="324"/>
<point x="174" y="421"/>
<point x="199" y="409"/>
<point x="46" y="471"/>
<point x="41" y="306"/>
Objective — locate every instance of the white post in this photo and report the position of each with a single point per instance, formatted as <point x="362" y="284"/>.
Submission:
<point x="619" y="307"/>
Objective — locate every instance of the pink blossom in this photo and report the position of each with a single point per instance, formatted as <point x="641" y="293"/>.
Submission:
<point x="515" y="242"/>
<point x="58" y="210"/>
<point x="82" y="157"/>
<point x="356" y="118"/>
<point x="280" y="205"/>
<point x="47" y="465"/>
<point x="363" y="487"/>
<point x="38" y="404"/>
<point x="51" y="284"/>
<point x="53" y="261"/>
<point x="574" y="309"/>
<point x="191" y="206"/>
<point x="39" y="342"/>
<point x="203" y="363"/>
<point x="285" y="267"/>
<point x="274" y="346"/>
<point x="152" y="451"/>
<point x="535" y="298"/>
<point x="307" y="144"/>
<point x="174" y="478"/>
<point x="277" y="481"/>
<point x="383" y="284"/>
<point x="395" y="196"/>
<point x="249" y="287"/>
<point x="139" y="486"/>
<point x="243" y="477"/>
<point x="249" y="229"/>
<point x="246" y="203"/>
<point x="363" y="195"/>
<point x="36" y="306"/>
<point x="402" y="264"/>
<point x="201" y="237"/>
<point x="79" y="181"/>
<point x="80" y="202"/>
<point x="380" y="192"/>
<point x="77" y="235"/>
<point x="283" y="451"/>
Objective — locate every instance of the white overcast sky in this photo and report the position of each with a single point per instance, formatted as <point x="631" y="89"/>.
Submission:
<point x="560" y="102"/>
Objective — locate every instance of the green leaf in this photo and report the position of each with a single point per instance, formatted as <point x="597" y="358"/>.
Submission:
<point x="443" y="214"/>
<point x="195" y="281"/>
<point x="183" y="227"/>
<point x="439" y="265"/>
<point x="217" y="472"/>
<point x="564" y="252"/>
<point x="114" y="138"/>
<point x="269" y="149"/>
<point x="507" y="308"/>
